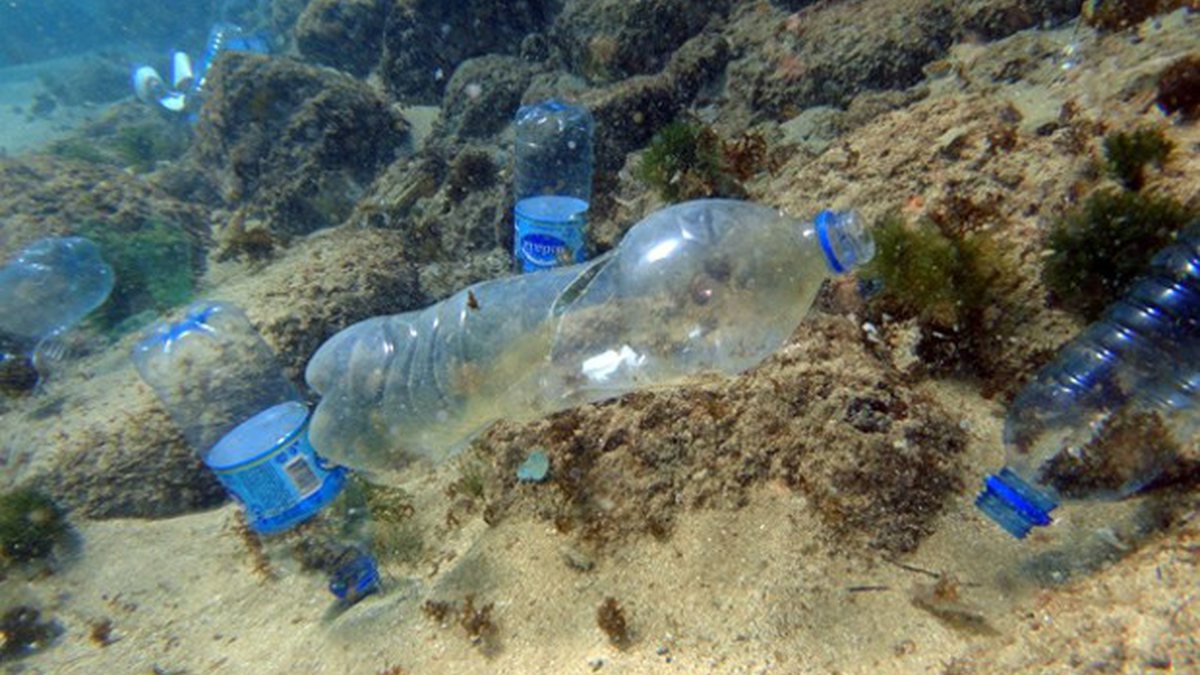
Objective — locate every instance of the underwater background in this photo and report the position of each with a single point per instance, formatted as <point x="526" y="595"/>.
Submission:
<point x="1019" y="163"/>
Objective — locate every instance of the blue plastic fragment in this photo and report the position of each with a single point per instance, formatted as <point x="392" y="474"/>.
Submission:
<point x="355" y="577"/>
<point x="535" y="468"/>
<point x="1014" y="504"/>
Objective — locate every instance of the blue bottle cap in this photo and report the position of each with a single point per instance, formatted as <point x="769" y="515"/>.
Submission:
<point x="1014" y="504"/>
<point x="355" y="577"/>
<point x="844" y="240"/>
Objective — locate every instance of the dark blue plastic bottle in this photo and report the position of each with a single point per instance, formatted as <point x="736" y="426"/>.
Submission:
<point x="1100" y="420"/>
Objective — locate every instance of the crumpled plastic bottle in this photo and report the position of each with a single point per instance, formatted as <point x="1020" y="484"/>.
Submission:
<point x="704" y="286"/>
<point x="1106" y="416"/>
<point x="49" y="287"/>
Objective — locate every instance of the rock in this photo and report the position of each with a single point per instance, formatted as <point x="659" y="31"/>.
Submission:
<point x="995" y="19"/>
<point x="424" y="40"/>
<point x="609" y="40"/>
<point x="814" y="129"/>
<point x="94" y="79"/>
<point x="877" y="459"/>
<point x="629" y="112"/>
<point x="44" y="196"/>
<point x="156" y="244"/>
<point x="344" y="34"/>
<point x="825" y="54"/>
<point x="482" y="97"/>
<point x="290" y="144"/>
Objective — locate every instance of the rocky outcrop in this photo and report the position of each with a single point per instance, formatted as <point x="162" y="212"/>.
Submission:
<point x="425" y="40"/>
<point x="344" y="34"/>
<point x="611" y="40"/>
<point x="291" y="144"/>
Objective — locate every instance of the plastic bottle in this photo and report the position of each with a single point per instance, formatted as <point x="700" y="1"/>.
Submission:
<point x="1102" y="419"/>
<point x="704" y="286"/>
<point x="49" y="287"/>
<point x="553" y="184"/>
<point x="221" y="385"/>
<point x="225" y="37"/>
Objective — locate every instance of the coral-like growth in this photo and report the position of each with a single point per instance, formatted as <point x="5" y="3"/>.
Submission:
<point x="1128" y="153"/>
<point x="689" y="161"/>
<point x="1097" y="249"/>
<point x="1114" y="15"/>
<point x="1179" y="87"/>
<point x="30" y="524"/>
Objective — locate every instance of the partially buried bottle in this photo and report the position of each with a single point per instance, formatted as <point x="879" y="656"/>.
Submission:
<point x="223" y="388"/>
<point x="553" y="182"/>
<point x="1109" y="414"/>
<point x="704" y="286"/>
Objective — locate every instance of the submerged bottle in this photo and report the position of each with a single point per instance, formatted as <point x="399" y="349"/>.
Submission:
<point x="223" y="388"/>
<point x="553" y="184"/>
<point x="704" y="286"/>
<point x="225" y="37"/>
<point x="49" y="287"/>
<point x="1106" y="416"/>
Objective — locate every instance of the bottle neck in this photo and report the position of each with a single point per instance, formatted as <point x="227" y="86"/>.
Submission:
<point x="843" y="239"/>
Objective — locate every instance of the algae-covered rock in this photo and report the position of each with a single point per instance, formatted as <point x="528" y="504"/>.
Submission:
<point x="291" y="144"/>
<point x="425" y="40"/>
<point x="345" y="34"/>
<point x="611" y="40"/>
<point x="482" y="96"/>
<point x="155" y="243"/>
<point x="877" y="460"/>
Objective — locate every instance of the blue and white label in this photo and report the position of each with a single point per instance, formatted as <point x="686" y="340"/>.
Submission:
<point x="549" y="232"/>
<point x="268" y="464"/>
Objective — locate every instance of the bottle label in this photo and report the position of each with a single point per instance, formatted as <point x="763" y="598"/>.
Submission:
<point x="549" y="236"/>
<point x="284" y="486"/>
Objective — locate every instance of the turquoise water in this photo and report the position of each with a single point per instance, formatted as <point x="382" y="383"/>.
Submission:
<point x="346" y="160"/>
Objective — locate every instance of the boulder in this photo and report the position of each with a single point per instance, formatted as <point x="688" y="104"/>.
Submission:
<point x="293" y="145"/>
<point x="425" y="40"/>
<point x="344" y="34"/>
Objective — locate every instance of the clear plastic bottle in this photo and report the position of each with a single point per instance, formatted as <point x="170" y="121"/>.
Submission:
<point x="553" y="184"/>
<point x="1102" y="420"/>
<point x="223" y="388"/>
<point x="46" y="289"/>
<point x="704" y="286"/>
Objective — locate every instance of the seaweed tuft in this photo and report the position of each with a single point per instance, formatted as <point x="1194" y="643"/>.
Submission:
<point x="1099" y="248"/>
<point x="24" y="632"/>
<point x="1128" y="153"/>
<point x="950" y="279"/>
<point x="689" y="161"/>
<point x="30" y="525"/>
